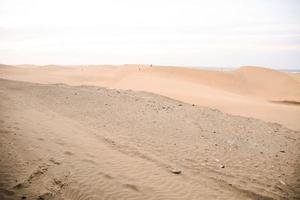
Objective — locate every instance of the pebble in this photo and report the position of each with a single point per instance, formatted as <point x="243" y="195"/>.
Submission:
<point x="283" y="183"/>
<point x="176" y="171"/>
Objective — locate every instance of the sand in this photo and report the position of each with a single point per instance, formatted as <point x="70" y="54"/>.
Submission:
<point x="62" y="141"/>
<point x="256" y="92"/>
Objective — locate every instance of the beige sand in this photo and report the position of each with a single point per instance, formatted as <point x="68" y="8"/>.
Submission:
<point x="261" y="93"/>
<point x="65" y="142"/>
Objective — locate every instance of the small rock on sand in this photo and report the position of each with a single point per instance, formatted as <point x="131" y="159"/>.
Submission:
<point x="283" y="183"/>
<point x="176" y="171"/>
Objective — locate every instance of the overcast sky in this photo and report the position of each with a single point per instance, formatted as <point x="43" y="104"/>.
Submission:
<point x="215" y="33"/>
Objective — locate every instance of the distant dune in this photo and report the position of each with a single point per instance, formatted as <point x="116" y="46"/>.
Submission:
<point x="247" y="91"/>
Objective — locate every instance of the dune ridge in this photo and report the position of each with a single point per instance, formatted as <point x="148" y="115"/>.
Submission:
<point x="247" y="91"/>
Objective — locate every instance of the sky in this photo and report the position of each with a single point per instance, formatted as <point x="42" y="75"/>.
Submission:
<point x="215" y="33"/>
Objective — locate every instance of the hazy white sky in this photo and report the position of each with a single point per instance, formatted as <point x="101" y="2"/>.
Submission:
<point x="217" y="33"/>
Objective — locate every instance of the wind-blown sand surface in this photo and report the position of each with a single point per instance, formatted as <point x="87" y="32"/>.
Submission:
<point x="261" y="93"/>
<point x="66" y="142"/>
<point x="60" y="141"/>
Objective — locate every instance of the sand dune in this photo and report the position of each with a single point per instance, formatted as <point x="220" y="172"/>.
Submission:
<point x="247" y="91"/>
<point x="64" y="142"/>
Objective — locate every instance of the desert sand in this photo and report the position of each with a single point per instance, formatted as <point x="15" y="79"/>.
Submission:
<point x="256" y="92"/>
<point x="65" y="137"/>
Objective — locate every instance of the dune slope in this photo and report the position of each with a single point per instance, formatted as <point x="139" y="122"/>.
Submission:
<point x="249" y="91"/>
<point x="64" y="142"/>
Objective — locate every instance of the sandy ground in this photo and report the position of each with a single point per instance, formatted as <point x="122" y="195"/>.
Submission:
<point x="70" y="141"/>
<point x="261" y="93"/>
<point x="66" y="142"/>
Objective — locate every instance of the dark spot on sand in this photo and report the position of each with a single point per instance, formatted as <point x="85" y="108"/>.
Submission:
<point x="54" y="161"/>
<point x="45" y="196"/>
<point x="132" y="187"/>
<point x="68" y="153"/>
